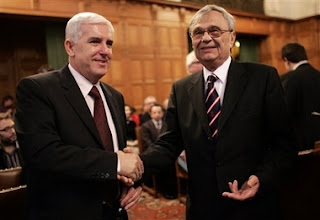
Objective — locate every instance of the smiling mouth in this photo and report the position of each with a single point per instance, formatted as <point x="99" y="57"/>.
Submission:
<point x="100" y="61"/>
<point x="208" y="48"/>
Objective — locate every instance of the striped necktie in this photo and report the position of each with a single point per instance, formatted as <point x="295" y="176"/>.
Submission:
<point x="213" y="105"/>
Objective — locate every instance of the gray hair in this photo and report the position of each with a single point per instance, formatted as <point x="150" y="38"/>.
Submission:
<point x="190" y="58"/>
<point x="73" y="28"/>
<point x="208" y="8"/>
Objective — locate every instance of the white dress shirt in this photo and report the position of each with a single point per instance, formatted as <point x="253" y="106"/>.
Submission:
<point x="85" y="87"/>
<point x="221" y="72"/>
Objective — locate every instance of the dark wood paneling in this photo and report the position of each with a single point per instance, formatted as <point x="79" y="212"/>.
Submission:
<point x="150" y="40"/>
<point x="22" y="52"/>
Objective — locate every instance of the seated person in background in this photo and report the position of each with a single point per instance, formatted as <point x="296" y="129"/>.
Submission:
<point x="134" y="116"/>
<point x="192" y="63"/>
<point x="10" y="155"/>
<point x="145" y="115"/>
<point x="131" y="127"/>
<point x="301" y="87"/>
<point x="150" y="130"/>
<point x="7" y="105"/>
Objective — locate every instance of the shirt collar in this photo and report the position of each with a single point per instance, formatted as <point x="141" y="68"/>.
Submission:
<point x="155" y="121"/>
<point x="84" y="84"/>
<point x="299" y="63"/>
<point x="221" y="72"/>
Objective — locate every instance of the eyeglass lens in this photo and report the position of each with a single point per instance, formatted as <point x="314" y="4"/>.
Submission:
<point x="212" y="31"/>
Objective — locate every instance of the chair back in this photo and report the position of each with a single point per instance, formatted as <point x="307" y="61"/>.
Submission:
<point x="140" y="141"/>
<point x="13" y="203"/>
<point x="11" y="177"/>
<point x="181" y="174"/>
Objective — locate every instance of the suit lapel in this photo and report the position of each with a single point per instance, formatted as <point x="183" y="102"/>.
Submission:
<point x="195" y="91"/>
<point x="78" y="103"/>
<point x="236" y="81"/>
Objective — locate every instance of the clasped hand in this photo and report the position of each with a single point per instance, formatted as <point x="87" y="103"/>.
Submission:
<point x="131" y="166"/>
<point x="247" y="191"/>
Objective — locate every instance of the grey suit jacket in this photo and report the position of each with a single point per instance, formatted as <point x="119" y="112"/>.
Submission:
<point x="253" y="139"/>
<point x="69" y="172"/>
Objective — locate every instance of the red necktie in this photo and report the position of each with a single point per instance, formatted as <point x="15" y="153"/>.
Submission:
<point x="213" y="105"/>
<point x="100" y="119"/>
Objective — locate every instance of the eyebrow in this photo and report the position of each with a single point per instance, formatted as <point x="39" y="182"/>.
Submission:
<point x="211" y="26"/>
<point x="109" y="42"/>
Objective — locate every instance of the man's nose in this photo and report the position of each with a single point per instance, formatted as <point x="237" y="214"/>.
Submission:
<point x="206" y="37"/>
<point x="105" y="49"/>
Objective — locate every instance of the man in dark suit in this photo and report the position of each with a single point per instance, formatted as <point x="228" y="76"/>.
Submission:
<point x="236" y="168"/>
<point x="71" y="175"/>
<point x="149" y="132"/>
<point x="302" y="92"/>
<point x="147" y="104"/>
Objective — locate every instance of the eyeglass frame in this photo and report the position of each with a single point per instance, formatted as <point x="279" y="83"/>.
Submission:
<point x="214" y="28"/>
<point x="7" y="129"/>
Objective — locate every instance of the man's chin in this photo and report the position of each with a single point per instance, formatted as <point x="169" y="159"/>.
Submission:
<point x="100" y="73"/>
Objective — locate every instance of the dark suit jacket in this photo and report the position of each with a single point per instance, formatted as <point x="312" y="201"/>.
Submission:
<point x="302" y="93"/>
<point x="68" y="169"/>
<point x="149" y="133"/>
<point x="252" y="140"/>
<point x="284" y="80"/>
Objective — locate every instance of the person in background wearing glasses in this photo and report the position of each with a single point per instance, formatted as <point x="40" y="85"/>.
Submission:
<point x="235" y="168"/>
<point x="10" y="155"/>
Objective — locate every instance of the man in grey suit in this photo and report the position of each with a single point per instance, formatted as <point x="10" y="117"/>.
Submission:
<point x="235" y="169"/>
<point x="70" y="173"/>
<point x="302" y="92"/>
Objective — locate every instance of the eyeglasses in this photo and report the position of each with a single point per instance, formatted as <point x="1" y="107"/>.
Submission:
<point x="213" y="32"/>
<point x="8" y="128"/>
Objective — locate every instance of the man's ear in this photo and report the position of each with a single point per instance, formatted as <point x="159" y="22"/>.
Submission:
<point x="69" y="47"/>
<point x="232" y="39"/>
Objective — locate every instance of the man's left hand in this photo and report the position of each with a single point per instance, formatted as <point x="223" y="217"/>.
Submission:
<point x="247" y="191"/>
<point x="130" y="196"/>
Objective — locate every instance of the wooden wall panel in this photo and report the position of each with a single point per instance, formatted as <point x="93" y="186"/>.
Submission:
<point x="70" y="6"/>
<point x="150" y="41"/>
<point x="307" y="32"/>
<point x="252" y="25"/>
<point x="16" y="4"/>
<point x="22" y="52"/>
<point x="7" y="79"/>
<point x="178" y="69"/>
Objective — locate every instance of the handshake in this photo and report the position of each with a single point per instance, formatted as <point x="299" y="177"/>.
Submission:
<point x="131" y="166"/>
